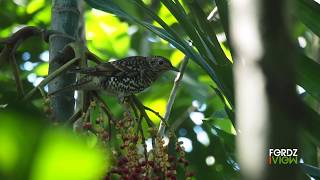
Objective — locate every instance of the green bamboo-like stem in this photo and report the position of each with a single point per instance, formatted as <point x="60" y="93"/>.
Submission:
<point x="172" y="96"/>
<point x="65" y="19"/>
<point x="83" y="99"/>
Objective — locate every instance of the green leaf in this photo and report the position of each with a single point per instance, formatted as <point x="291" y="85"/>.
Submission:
<point x="206" y="29"/>
<point x="223" y="14"/>
<point x="311" y="170"/>
<point x="308" y="75"/>
<point x="42" y="69"/>
<point x="62" y="152"/>
<point x="190" y="28"/>
<point x="166" y="33"/>
<point x="106" y="33"/>
<point x="308" y="11"/>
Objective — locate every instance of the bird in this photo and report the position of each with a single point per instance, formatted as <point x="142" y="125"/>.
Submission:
<point x="123" y="77"/>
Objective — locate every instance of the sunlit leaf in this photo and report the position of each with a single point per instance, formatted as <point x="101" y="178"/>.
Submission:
<point x="224" y="124"/>
<point x="159" y="105"/>
<point x="42" y="69"/>
<point x="167" y="33"/>
<point x="5" y="32"/>
<point x="35" y="5"/>
<point x="176" y="57"/>
<point x="308" y="75"/>
<point x="106" y="33"/>
<point x="227" y="52"/>
<point x="42" y="16"/>
<point x="308" y="11"/>
<point x="311" y="170"/>
<point x="165" y="14"/>
<point x="9" y="151"/>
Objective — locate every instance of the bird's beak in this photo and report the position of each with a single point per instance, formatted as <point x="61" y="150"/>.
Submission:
<point x="175" y="69"/>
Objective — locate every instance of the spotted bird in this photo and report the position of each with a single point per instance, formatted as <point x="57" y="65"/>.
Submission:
<point x="122" y="77"/>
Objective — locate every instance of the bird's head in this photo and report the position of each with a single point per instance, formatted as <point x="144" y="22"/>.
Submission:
<point x="161" y="64"/>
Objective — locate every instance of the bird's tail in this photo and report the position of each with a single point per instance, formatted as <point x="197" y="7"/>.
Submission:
<point x="72" y="87"/>
<point x="86" y="70"/>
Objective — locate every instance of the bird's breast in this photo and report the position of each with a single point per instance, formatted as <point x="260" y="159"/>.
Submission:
<point x="124" y="85"/>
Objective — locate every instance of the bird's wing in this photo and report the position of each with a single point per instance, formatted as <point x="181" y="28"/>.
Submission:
<point x="103" y="69"/>
<point x="130" y="66"/>
<point x="132" y="63"/>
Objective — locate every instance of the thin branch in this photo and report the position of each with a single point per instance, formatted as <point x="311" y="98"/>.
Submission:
<point x="51" y="77"/>
<point x="43" y="94"/>
<point x="141" y="109"/>
<point x="22" y="34"/>
<point x="135" y="112"/>
<point x="154" y="112"/>
<point x="74" y="117"/>
<point x="135" y="102"/>
<point x="7" y="54"/>
<point x="93" y="57"/>
<point x="173" y="94"/>
<point x="14" y="41"/>
<point x="139" y="123"/>
<point x="143" y="139"/>
<point x="106" y="110"/>
<point x="104" y="106"/>
<point x="157" y="114"/>
<point x="128" y="102"/>
<point x="16" y="74"/>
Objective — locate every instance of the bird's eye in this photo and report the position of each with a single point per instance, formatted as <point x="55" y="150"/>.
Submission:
<point x="160" y="62"/>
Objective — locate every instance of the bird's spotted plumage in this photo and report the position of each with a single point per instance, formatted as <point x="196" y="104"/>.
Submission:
<point x="123" y="77"/>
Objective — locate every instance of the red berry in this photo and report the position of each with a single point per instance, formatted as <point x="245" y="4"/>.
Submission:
<point x="138" y="170"/>
<point x="169" y="174"/>
<point x="122" y="161"/>
<point x="135" y="139"/>
<point x="87" y="125"/>
<point x="151" y="163"/>
<point x="124" y="170"/>
<point x="173" y="178"/>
